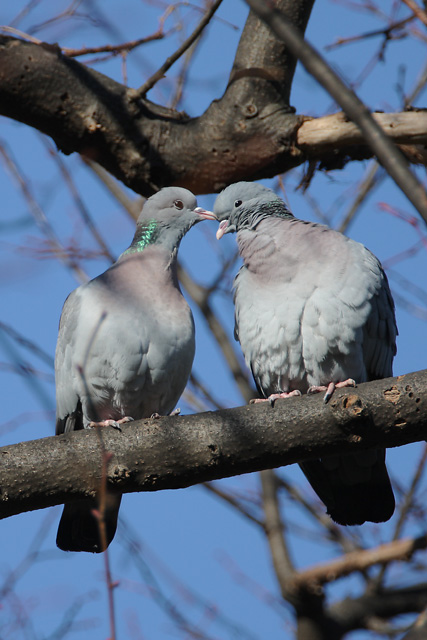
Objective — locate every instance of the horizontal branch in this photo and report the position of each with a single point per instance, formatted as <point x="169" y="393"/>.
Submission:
<point x="359" y="560"/>
<point x="176" y="452"/>
<point x="319" y="135"/>
<point x="353" y="613"/>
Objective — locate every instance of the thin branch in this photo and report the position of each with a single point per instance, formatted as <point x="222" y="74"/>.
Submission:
<point x="397" y="550"/>
<point x="132" y="206"/>
<point x="335" y="533"/>
<point x="275" y="530"/>
<point x="371" y="180"/>
<point x="417" y="11"/>
<point x="78" y="200"/>
<point x="410" y="494"/>
<point x="352" y="613"/>
<point x="140" y="93"/>
<point x="114" y="48"/>
<point x="387" y="33"/>
<point x="40" y="217"/>
<point x="234" y="502"/>
<point x="20" y="34"/>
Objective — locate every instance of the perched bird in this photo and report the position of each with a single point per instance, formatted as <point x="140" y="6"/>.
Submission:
<point x="313" y="310"/>
<point x="125" y="345"/>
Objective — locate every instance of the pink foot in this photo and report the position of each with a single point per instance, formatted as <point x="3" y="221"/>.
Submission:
<point x="331" y="388"/>
<point x="275" y="396"/>
<point x="111" y="423"/>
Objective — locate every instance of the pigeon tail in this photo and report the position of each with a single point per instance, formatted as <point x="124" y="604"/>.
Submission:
<point x="350" y="499"/>
<point x="79" y="527"/>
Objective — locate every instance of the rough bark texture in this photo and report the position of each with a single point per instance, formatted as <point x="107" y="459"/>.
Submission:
<point x="248" y="133"/>
<point x="251" y="132"/>
<point x="175" y="452"/>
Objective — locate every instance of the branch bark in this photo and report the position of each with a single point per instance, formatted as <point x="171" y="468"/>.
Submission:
<point x="320" y="574"/>
<point x="245" y="134"/>
<point x="176" y="452"/>
<point x="353" y="613"/>
<point x="250" y="133"/>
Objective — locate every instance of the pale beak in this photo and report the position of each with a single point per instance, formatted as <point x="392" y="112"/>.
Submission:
<point x="221" y="229"/>
<point x="204" y="213"/>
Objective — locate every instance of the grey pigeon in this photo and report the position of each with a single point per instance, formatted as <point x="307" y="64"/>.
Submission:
<point x="313" y="310"/>
<point x="126" y="345"/>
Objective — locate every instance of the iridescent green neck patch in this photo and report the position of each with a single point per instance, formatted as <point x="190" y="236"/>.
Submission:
<point x="146" y="233"/>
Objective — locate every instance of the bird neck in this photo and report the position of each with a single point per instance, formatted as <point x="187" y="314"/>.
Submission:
<point x="147" y="233"/>
<point x="251" y="217"/>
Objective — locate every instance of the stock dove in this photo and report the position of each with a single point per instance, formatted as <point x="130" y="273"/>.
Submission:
<point x="125" y="346"/>
<point x="313" y="310"/>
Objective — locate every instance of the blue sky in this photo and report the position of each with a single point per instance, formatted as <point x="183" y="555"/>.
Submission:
<point x="188" y="537"/>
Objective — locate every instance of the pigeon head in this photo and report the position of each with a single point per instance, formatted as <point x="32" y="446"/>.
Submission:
<point x="244" y="204"/>
<point x="166" y="217"/>
<point x="174" y="207"/>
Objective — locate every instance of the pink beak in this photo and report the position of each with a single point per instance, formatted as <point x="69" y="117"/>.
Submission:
<point x="221" y="229"/>
<point x="204" y="213"/>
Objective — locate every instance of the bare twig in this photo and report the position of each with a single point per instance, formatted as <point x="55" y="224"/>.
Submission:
<point x="140" y="93"/>
<point x="20" y="34"/>
<point x="81" y="207"/>
<point x="41" y="218"/>
<point x="369" y="182"/>
<point x="417" y="11"/>
<point x="132" y="206"/>
<point x="280" y="554"/>
<point x="114" y="48"/>
<point x="335" y="533"/>
<point x="386" y="32"/>
<point x="398" y="550"/>
<point x="234" y="502"/>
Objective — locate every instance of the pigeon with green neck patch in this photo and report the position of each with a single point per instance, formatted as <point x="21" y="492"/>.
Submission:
<point x="313" y="311"/>
<point x="126" y="346"/>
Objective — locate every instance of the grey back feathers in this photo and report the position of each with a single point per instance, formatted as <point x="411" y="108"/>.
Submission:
<point x="126" y="344"/>
<point x="312" y="307"/>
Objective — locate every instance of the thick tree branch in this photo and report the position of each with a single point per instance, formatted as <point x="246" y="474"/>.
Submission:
<point x="249" y="133"/>
<point x="175" y="452"/>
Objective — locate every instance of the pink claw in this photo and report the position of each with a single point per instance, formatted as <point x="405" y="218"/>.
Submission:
<point x="275" y="396"/>
<point x="111" y="423"/>
<point x="331" y="388"/>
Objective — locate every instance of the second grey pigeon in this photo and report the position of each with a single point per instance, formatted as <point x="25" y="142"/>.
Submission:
<point x="126" y="345"/>
<point x="312" y="309"/>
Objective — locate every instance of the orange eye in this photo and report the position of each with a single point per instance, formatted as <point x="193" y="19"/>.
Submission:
<point x="179" y="204"/>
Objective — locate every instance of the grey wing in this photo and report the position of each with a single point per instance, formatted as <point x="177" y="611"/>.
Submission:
<point x="238" y="275"/>
<point x="379" y="333"/>
<point x="68" y="406"/>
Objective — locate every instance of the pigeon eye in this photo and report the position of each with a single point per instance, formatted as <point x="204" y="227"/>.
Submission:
<point x="179" y="204"/>
<point x="237" y="203"/>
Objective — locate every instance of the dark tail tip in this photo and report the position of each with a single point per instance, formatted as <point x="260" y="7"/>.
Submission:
<point x="79" y="527"/>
